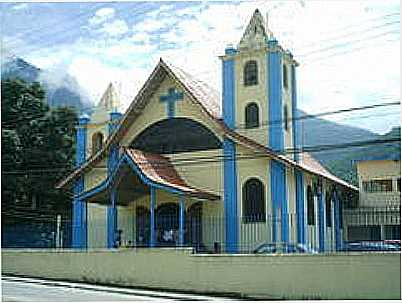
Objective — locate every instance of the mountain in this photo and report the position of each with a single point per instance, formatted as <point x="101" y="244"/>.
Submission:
<point x="342" y="161"/>
<point x="61" y="88"/>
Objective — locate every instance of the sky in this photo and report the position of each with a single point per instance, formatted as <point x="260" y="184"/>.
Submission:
<point x="349" y="51"/>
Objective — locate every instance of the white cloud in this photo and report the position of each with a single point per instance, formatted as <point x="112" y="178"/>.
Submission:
<point x="20" y="6"/>
<point x="102" y="15"/>
<point x="115" y="28"/>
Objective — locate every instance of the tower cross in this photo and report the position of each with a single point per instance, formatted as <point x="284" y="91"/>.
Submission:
<point x="170" y="100"/>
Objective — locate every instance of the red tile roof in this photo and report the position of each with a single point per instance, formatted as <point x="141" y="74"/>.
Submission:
<point x="160" y="170"/>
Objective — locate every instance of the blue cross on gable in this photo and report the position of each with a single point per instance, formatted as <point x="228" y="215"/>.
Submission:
<point x="170" y="100"/>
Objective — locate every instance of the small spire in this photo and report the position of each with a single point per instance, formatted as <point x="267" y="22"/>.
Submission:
<point x="255" y="35"/>
<point x="110" y="99"/>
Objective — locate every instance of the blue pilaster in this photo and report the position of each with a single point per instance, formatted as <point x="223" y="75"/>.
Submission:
<point x="230" y="196"/>
<point x="181" y="220"/>
<point x="228" y="90"/>
<point x="152" y="238"/>
<point x="279" y="201"/>
<point x="321" y="223"/>
<point x="112" y="219"/>
<point x="113" y="158"/>
<point x="274" y="83"/>
<point x="79" y="216"/>
<point x="301" y="223"/>
<point x="295" y="115"/>
<point x="337" y="219"/>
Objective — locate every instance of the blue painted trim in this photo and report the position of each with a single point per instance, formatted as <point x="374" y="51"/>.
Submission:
<point x="170" y="99"/>
<point x="230" y="195"/>
<point x="181" y="220"/>
<point x="301" y="223"/>
<point x="112" y="219"/>
<point x="152" y="238"/>
<point x="295" y="115"/>
<point x="279" y="200"/>
<point x="230" y="51"/>
<point x="114" y="121"/>
<point x="274" y="83"/>
<point x="228" y="93"/>
<point x="321" y="223"/>
<point x="113" y="174"/>
<point x="337" y="219"/>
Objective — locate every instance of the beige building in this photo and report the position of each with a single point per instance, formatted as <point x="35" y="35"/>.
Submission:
<point x="377" y="215"/>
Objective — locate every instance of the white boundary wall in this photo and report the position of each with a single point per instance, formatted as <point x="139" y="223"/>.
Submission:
<point x="326" y="276"/>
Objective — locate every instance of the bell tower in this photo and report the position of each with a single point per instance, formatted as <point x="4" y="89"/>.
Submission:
<point x="259" y="88"/>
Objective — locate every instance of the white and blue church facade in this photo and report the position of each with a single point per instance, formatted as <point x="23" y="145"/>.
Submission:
<point x="187" y="166"/>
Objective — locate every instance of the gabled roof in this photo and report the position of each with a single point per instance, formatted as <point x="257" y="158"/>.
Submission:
<point x="209" y="102"/>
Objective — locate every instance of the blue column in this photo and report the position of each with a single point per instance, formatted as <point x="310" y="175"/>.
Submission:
<point x="152" y="238"/>
<point x="114" y="121"/>
<point x="321" y="223"/>
<point x="337" y="218"/>
<point x="230" y="196"/>
<point x="229" y="152"/>
<point x="112" y="219"/>
<point x="181" y="220"/>
<point x="301" y="226"/>
<point x="79" y="222"/>
<point x="274" y="86"/>
<point x="295" y="115"/>
<point x="279" y="200"/>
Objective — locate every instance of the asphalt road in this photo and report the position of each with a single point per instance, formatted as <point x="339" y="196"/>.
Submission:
<point x="26" y="289"/>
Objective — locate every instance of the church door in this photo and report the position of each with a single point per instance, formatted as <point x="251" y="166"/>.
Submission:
<point x="167" y="224"/>
<point x="142" y="226"/>
<point x="194" y="226"/>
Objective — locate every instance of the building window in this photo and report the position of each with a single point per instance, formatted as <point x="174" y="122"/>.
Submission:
<point x="285" y="77"/>
<point x="97" y="142"/>
<point x="251" y="73"/>
<point x="252" y="115"/>
<point x="285" y="117"/>
<point x="376" y="186"/>
<point x="310" y="206"/>
<point x="398" y="184"/>
<point x="253" y="201"/>
<point x="328" y="217"/>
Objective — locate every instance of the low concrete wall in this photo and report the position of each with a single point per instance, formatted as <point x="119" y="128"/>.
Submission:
<point x="340" y="276"/>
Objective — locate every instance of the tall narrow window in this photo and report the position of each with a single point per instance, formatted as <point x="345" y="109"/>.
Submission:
<point x="251" y="73"/>
<point x="285" y="117"/>
<point x="310" y="206"/>
<point x="252" y="115"/>
<point x="328" y="217"/>
<point x="253" y="201"/>
<point x="285" y="77"/>
<point x="97" y="142"/>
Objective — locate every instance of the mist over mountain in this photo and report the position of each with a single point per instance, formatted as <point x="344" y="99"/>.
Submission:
<point x="61" y="88"/>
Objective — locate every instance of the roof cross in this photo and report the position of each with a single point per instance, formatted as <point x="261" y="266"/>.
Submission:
<point x="170" y="100"/>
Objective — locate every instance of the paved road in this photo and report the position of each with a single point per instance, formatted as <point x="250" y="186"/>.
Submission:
<point x="27" y="289"/>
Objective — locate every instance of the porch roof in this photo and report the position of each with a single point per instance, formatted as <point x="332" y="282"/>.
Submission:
<point x="153" y="170"/>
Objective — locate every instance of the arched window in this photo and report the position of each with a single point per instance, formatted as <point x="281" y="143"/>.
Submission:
<point x="328" y="217"/>
<point x="97" y="142"/>
<point x="251" y="73"/>
<point x="253" y="201"/>
<point x="252" y="115"/>
<point x="310" y="206"/>
<point x="285" y="76"/>
<point x="285" y="117"/>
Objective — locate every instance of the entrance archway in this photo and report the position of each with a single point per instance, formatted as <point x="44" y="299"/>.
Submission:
<point x="167" y="224"/>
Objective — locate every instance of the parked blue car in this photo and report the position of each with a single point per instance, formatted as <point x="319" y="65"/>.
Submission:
<point x="370" y="246"/>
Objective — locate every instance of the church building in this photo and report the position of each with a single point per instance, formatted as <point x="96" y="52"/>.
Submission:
<point x="186" y="166"/>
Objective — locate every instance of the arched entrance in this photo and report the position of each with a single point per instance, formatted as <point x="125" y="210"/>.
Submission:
<point x="194" y="226"/>
<point x="167" y="224"/>
<point x="142" y="226"/>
